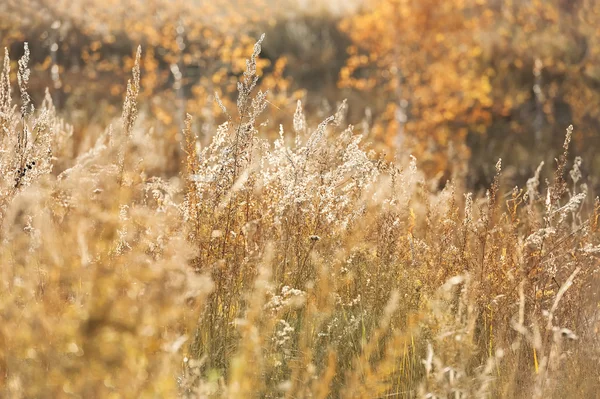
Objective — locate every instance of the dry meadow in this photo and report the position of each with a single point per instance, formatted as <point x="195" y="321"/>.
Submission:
<point x="261" y="247"/>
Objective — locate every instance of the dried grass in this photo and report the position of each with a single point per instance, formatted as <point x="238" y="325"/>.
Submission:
<point x="303" y="267"/>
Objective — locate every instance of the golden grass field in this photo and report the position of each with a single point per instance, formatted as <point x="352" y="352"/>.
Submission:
<point x="280" y="260"/>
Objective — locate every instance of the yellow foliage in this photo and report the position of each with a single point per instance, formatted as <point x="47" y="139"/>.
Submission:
<point x="456" y="64"/>
<point x="424" y="53"/>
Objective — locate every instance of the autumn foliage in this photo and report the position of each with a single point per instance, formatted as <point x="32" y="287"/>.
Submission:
<point x="485" y="73"/>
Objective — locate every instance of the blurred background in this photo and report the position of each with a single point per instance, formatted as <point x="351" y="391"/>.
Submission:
<point x="457" y="83"/>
